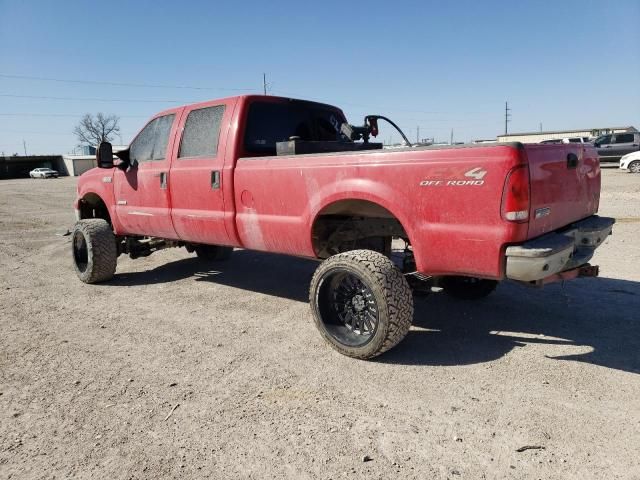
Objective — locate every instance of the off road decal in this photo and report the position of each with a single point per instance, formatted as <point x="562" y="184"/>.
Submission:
<point x="470" y="178"/>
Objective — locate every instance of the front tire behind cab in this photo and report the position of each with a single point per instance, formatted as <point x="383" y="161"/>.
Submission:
<point x="94" y="250"/>
<point x="361" y="303"/>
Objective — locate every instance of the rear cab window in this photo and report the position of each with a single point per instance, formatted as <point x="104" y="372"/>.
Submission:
<point x="271" y="122"/>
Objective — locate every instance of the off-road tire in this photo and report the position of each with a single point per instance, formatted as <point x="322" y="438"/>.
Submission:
<point x="389" y="289"/>
<point x="97" y="262"/>
<point x="634" y="167"/>
<point x="210" y="253"/>
<point x="468" y="288"/>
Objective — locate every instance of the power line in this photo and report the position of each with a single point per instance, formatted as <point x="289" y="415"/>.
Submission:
<point x="380" y="107"/>
<point x="62" y="115"/>
<point x="121" y="84"/>
<point x="90" y="99"/>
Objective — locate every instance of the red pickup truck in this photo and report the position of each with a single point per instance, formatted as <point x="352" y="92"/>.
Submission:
<point x="292" y="176"/>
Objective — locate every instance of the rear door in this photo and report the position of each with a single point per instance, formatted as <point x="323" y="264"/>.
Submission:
<point x="142" y="192"/>
<point x="198" y="176"/>
<point x="623" y="143"/>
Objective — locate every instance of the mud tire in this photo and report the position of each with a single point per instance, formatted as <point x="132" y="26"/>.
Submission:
<point x="94" y="250"/>
<point x="385" y="285"/>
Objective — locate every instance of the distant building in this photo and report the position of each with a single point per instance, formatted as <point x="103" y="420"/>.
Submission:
<point x="77" y="164"/>
<point x="19" y="166"/>
<point x="537" y="137"/>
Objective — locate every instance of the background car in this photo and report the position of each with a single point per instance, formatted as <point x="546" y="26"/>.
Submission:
<point x="614" y="146"/>
<point x="568" y="140"/>
<point x="631" y="162"/>
<point x="43" y="173"/>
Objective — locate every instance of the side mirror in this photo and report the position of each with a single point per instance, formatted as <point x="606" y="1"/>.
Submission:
<point x="125" y="160"/>
<point x="104" y="155"/>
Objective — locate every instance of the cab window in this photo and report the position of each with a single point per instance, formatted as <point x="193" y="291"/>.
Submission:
<point x="151" y="143"/>
<point x="201" y="132"/>
<point x="603" y="140"/>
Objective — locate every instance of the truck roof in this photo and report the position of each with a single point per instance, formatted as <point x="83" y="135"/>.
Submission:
<point x="245" y="98"/>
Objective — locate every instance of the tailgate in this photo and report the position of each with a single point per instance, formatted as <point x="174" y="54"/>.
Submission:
<point x="565" y="185"/>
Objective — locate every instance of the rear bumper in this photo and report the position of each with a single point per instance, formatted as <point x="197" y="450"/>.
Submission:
<point x="558" y="251"/>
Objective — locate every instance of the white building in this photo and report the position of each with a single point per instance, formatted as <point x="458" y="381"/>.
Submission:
<point x="78" y="164"/>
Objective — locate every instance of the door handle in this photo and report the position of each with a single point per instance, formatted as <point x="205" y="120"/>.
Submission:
<point x="163" y="180"/>
<point x="215" y="179"/>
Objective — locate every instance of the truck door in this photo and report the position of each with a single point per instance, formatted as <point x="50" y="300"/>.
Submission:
<point x="142" y="192"/>
<point x="623" y="143"/>
<point x="198" y="176"/>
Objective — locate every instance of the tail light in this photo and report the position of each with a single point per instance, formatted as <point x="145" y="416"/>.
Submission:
<point x="516" y="195"/>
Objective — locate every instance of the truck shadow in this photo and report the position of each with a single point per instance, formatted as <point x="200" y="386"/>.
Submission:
<point x="587" y="320"/>
<point x="267" y="273"/>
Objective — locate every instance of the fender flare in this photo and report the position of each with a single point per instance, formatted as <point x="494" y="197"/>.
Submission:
<point x="359" y="189"/>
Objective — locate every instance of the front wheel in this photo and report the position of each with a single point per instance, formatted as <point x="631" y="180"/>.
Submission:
<point x="361" y="303"/>
<point x="634" y="167"/>
<point x="468" y="288"/>
<point x="95" y="253"/>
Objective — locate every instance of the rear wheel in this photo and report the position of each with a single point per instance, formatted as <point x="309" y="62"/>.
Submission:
<point x="634" y="167"/>
<point x="468" y="288"/>
<point x="361" y="303"/>
<point x="94" y="250"/>
<point x="213" y="252"/>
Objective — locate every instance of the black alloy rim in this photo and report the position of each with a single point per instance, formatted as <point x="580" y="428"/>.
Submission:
<point x="80" y="252"/>
<point x="348" y="308"/>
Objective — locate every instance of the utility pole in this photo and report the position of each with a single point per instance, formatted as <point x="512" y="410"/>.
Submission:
<point x="418" y="134"/>
<point x="507" y="117"/>
<point x="24" y="144"/>
<point x="451" y="140"/>
<point x="541" y="126"/>
<point x="264" y="82"/>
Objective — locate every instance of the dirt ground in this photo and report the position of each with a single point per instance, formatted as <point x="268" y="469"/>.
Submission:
<point x="178" y="370"/>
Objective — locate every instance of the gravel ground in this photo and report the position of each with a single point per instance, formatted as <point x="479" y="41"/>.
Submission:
<point x="178" y="370"/>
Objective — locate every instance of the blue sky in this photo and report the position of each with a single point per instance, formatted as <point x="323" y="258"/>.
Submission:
<point x="436" y="65"/>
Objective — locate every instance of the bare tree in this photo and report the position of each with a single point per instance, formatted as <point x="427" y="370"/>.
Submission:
<point x="93" y="130"/>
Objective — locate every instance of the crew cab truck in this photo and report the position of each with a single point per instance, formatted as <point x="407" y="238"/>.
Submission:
<point x="290" y="176"/>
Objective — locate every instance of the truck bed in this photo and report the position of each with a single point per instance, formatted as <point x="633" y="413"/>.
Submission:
<point x="448" y="199"/>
